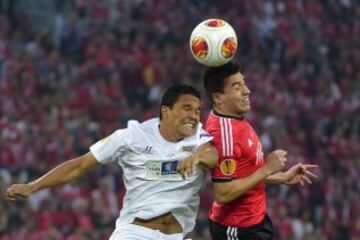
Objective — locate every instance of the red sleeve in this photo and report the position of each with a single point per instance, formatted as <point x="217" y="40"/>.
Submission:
<point x="227" y="164"/>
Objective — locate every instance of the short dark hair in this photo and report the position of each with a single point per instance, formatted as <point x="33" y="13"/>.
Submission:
<point x="214" y="78"/>
<point x="172" y="94"/>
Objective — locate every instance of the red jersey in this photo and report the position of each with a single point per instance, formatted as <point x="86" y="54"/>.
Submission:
<point x="240" y="154"/>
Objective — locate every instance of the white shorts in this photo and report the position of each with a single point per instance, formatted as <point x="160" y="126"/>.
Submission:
<point x="136" y="232"/>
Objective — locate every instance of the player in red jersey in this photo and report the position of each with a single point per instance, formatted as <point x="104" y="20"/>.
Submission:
<point x="239" y="210"/>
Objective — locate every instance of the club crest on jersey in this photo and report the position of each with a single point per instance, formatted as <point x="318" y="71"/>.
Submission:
<point x="190" y="148"/>
<point x="228" y="166"/>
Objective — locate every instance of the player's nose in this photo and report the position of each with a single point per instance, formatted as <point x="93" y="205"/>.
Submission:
<point x="194" y="116"/>
<point x="246" y="90"/>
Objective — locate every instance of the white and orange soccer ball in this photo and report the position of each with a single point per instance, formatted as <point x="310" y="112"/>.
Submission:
<point x="213" y="42"/>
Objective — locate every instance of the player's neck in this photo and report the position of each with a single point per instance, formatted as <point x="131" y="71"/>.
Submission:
<point x="224" y="113"/>
<point x="168" y="133"/>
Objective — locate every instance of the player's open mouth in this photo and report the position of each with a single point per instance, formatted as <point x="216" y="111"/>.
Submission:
<point x="190" y="125"/>
<point x="246" y="101"/>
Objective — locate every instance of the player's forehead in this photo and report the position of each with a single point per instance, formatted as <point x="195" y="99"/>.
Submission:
<point x="188" y="99"/>
<point x="237" y="78"/>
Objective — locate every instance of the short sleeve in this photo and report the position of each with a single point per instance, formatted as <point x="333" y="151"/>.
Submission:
<point x="107" y="149"/>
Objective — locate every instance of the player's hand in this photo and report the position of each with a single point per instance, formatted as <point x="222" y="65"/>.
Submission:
<point x="276" y="161"/>
<point x="300" y="174"/>
<point x="18" y="190"/>
<point x="186" y="166"/>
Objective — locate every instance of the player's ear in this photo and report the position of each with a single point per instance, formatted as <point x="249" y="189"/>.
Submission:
<point x="164" y="111"/>
<point x="217" y="98"/>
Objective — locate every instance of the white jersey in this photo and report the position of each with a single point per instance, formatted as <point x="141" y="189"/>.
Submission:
<point x="149" y="164"/>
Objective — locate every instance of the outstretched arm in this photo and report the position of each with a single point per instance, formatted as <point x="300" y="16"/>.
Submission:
<point x="62" y="174"/>
<point x="297" y="174"/>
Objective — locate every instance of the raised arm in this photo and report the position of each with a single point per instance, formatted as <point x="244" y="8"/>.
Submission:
<point x="62" y="174"/>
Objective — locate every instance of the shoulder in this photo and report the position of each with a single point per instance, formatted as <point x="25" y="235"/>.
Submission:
<point x="212" y="119"/>
<point x="149" y="125"/>
<point x="242" y="126"/>
<point x="202" y="134"/>
<point x="144" y="131"/>
<point x="212" y="123"/>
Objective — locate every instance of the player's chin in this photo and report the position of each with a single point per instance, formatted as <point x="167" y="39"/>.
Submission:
<point x="187" y="132"/>
<point x="246" y="108"/>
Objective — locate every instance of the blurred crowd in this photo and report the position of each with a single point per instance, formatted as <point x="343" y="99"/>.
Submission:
<point x="102" y="63"/>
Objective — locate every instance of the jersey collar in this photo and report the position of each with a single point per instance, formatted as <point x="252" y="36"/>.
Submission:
<point x="227" y="116"/>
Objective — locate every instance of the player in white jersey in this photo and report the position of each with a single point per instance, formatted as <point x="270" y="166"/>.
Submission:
<point x="164" y="161"/>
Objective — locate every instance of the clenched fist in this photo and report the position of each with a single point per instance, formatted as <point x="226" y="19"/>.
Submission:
<point x="187" y="166"/>
<point x="18" y="190"/>
<point x="276" y="161"/>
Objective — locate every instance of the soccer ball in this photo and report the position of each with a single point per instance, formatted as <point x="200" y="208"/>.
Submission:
<point x="213" y="42"/>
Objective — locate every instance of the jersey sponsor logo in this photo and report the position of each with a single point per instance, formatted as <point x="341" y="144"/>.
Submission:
<point x="228" y="166"/>
<point x="158" y="170"/>
<point x="169" y="167"/>
<point x="155" y="169"/>
<point x="190" y="148"/>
